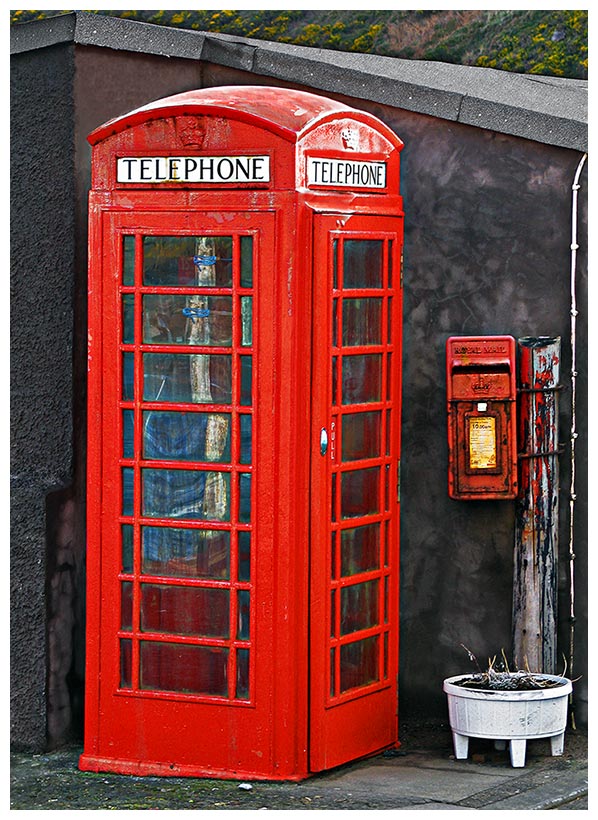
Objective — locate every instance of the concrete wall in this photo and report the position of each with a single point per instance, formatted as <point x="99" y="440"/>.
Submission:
<point x="486" y="251"/>
<point x="42" y="287"/>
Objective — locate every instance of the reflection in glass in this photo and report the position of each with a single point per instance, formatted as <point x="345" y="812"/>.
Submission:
<point x="183" y="377"/>
<point x="128" y="433"/>
<point x="185" y="553"/>
<point x="245" y="424"/>
<point x="242" y="674"/>
<point x="174" y="667"/>
<point x="246" y="321"/>
<point x="128" y="260"/>
<point x="359" y="607"/>
<point x="243" y="615"/>
<point x="198" y="319"/>
<point x="127" y="547"/>
<point x="186" y="494"/>
<point x="246" y="380"/>
<point x="360" y="549"/>
<point x="128" y="318"/>
<point x="244" y="498"/>
<point x="127" y="490"/>
<point x="359" y="492"/>
<point x="359" y="663"/>
<point x="187" y="261"/>
<point x="247" y="261"/>
<point x="170" y="435"/>
<point x="126" y="605"/>
<point x="362" y="263"/>
<point x="362" y="379"/>
<point x="244" y="546"/>
<point x="128" y="362"/>
<point x="126" y="665"/>
<point x="182" y="610"/>
<point x="361" y="435"/>
<point x="362" y="322"/>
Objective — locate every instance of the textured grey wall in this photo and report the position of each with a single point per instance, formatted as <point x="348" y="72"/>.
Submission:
<point x="486" y="251"/>
<point x="42" y="242"/>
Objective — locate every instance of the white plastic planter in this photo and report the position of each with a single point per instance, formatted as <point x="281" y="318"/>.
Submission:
<point x="510" y="716"/>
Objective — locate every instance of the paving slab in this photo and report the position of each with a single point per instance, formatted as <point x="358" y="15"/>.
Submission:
<point x="422" y="775"/>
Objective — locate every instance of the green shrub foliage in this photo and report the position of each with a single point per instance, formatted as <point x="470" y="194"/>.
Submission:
<point x="553" y="43"/>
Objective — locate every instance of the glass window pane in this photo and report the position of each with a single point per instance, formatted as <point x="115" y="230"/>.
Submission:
<point x="183" y="436"/>
<point x="128" y="260"/>
<point x="128" y="362"/>
<point x="243" y="615"/>
<point x="245" y="423"/>
<point x="127" y="547"/>
<point x="244" y="498"/>
<point x="128" y="318"/>
<point x="360" y="492"/>
<point x="246" y="380"/>
<point x="360" y="549"/>
<point x="361" y="435"/>
<point x="126" y="665"/>
<point x="246" y="261"/>
<point x="171" y="667"/>
<point x="196" y="320"/>
<point x="181" y="377"/>
<point x="243" y="674"/>
<point x="362" y="263"/>
<point x="126" y="605"/>
<point x="185" y="553"/>
<point x="246" y="321"/>
<point x="128" y="433"/>
<point x="359" y="663"/>
<point x="244" y="547"/>
<point x="179" y="610"/>
<point x="186" y="494"/>
<point x="362" y="379"/>
<point x="127" y="490"/>
<point x="187" y="261"/>
<point x="362" y="322"/>
<point x="359" y="607"/>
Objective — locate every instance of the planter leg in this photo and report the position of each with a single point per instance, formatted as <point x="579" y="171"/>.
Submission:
<point x="461" y="746"/>
<point x="517" y="750"/>
<point x="557" y="744"/>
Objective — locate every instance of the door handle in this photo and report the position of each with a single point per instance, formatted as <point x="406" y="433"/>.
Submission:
<point x="323" y="441"/>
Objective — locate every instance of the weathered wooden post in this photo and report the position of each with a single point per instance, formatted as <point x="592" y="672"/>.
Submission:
<point x="537" y="518"/>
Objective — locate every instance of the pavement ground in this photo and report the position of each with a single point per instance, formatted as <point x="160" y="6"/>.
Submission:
<point x="421" y="775"/>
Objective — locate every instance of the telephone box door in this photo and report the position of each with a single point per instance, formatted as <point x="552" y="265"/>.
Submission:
<point x="183" y="649"/>
<point x="354" y="549"/>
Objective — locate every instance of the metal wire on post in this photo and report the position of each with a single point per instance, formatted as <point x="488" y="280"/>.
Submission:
<point x="572" y="497"/>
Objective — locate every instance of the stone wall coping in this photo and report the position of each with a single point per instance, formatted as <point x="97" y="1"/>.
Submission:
<point x="550" y="110"/>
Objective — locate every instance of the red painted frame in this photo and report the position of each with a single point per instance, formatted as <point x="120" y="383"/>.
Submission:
<point x="271" y="735"/>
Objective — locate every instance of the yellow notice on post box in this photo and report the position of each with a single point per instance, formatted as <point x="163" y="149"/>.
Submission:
<point x="482" y="443"/>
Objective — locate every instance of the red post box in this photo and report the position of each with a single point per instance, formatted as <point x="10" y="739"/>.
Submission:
<point x="244" y="420"/>
<point x="482" y="422"/>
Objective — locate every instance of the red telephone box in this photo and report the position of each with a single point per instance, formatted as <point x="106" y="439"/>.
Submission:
<point x="244" y="419"/>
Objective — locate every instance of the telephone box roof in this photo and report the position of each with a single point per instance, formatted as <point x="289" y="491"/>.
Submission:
<point x="287" y="112"/>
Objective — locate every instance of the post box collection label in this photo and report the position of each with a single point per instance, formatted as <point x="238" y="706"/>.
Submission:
<point x="482" y="443"/>
<point x="345" y="173"/>
<point x="220" y="170"/>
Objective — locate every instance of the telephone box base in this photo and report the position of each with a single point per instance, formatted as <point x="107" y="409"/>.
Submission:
<point x="148" y="768"/>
